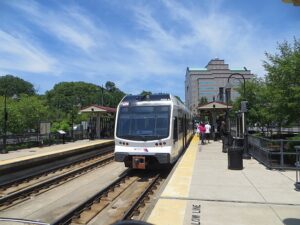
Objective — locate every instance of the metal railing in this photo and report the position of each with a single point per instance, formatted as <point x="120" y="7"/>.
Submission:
<point x="27" y="140"/>
<point x="274" y="154"/>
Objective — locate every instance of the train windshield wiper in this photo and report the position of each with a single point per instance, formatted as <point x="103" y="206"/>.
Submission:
<point x="132" y="137"/>
<point x="142" y="137"/>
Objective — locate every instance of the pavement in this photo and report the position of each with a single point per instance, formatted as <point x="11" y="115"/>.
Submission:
<point x="24" y="154"/>
<point x="202" y="190"/>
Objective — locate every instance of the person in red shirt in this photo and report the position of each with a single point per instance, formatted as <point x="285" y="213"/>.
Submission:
<point x="202" y="132"/>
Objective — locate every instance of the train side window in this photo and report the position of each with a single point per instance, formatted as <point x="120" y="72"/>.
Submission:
<point x="175" y="130"/>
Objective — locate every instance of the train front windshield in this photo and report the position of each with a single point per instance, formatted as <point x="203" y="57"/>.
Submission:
<point x="143" y="123"/>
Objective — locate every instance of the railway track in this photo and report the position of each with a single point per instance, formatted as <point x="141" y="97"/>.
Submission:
<point x="124" y="199"/>
<point x="20" y="190"/>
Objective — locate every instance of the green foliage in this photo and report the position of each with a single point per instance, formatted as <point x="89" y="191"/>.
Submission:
<point x="203" y="100"/>
<point x="295" y="142"/>
<point x="67" y="95"/>
<point x="146" y="93"/>
<point x="24" y="114"/>
<point x="275" y="100"/>
<point x="63" y="125"/>
<point x="179" y="99"/>
<point x="15" y="86"/>
<point x="283" y="82"/>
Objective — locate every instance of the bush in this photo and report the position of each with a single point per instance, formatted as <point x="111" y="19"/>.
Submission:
<point x="294" y="142"/>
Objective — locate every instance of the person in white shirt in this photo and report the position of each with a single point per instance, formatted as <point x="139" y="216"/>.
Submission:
<point x="207" y="131"/>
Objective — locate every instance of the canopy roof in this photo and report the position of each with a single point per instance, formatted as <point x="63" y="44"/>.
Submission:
<point x="215" y="105"/>
<point x="98" y="108"/>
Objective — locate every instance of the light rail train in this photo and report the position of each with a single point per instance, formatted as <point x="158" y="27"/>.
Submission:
<point x="151" y="131"/>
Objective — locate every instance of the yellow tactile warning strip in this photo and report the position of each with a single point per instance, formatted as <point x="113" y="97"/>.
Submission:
<point x="179" y="184"/>
<point x="52" y="152"/>
<point x="172" y="211"/>
<point x="168" y="212"/>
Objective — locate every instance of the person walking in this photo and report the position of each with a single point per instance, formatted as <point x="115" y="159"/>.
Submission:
<point x="202" y="132"/>
<point x="207" y="131"/>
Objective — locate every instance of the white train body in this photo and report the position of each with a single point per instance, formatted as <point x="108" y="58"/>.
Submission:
<point x="151" y="130"/>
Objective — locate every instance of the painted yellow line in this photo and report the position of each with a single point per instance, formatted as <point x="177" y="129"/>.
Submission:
<point x="179" y="184"/>
<point x="168" y="212"/>
<point x="172" y="211"/>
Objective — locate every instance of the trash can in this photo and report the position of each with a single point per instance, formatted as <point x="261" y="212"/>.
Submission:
<point x="237" y="141"/>
<point x="235" y="158"/>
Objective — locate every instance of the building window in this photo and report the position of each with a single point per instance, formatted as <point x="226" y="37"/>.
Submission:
<point x="221" y="94"/>
<point x="206" y="82"/>
<point x="228" y="94"/>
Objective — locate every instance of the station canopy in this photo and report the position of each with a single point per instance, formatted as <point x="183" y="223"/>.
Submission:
<point x="214" y="105"/>
<point x="98" y="108"/>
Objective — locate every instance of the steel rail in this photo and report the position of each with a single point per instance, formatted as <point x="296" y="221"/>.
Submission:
<point x="67" y="218"/>
<point x="141" y="198"/>
<point x="54" y="168"/>
<point x="28" y="191"/>
<point x="23" y="221"/>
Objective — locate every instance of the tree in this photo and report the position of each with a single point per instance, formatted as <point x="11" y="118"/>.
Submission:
<point x="275" y="99"/>
<point x="179" y="99"/>
<point x="258" y="97"/>
<point x="146" y="92"/>
<point x="203" y="100"/>
<point x="110" y="86"/>
<point x="66" y="97"/>
<point x="112" y="95"/>
<point x="24" y="114"/>
<point x="15" y="86"/>
<point x="283" y="82"/>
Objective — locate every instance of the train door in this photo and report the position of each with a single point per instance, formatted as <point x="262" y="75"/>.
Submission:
<point x="175" y="137"/>
<point x="185" y="132"/>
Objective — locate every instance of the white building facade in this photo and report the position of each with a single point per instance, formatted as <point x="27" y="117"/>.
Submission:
<point x="211" y="83"/>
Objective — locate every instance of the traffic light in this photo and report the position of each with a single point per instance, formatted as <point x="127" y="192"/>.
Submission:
<point x="244" y="106"/>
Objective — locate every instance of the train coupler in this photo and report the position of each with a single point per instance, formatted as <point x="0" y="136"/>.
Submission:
<point x="139" y="162"/>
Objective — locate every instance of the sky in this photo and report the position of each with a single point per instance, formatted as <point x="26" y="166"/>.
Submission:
<point x="138" y="44"/>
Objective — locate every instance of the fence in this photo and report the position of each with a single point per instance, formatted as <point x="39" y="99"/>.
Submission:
<point x="29" y="140"/>
<point x="275" y="154"/>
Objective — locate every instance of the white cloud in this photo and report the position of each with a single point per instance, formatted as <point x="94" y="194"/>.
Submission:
<point x="226" y="35"/>
<point x="22" y="54"/>
<point x="70" y="25"/>
<point x="161" y="40"/>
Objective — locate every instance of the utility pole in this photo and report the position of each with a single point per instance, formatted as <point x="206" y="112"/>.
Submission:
<point x="5" y="123"/>
<point x="102" y="89"/>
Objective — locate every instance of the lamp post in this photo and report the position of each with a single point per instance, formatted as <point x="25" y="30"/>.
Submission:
<point x="246" y="154"/>
<point x="5" y="123"/>
<point x="72" y="123"/>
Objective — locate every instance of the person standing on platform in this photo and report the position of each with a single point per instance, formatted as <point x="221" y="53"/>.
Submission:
<point x="223" y="133"/>
<point x="197" y="129"/>
<point x="202" y="133"/>
<point x="207" y="131"/>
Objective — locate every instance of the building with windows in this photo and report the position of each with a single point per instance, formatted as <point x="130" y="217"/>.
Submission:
<point x="211" y="83"/>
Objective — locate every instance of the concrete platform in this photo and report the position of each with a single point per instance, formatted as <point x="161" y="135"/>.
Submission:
<point x="27" y="156"/>
<point x="203" y="191"/>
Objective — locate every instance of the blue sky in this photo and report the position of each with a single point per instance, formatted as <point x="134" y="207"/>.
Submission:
<point x="138" y="44"/>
